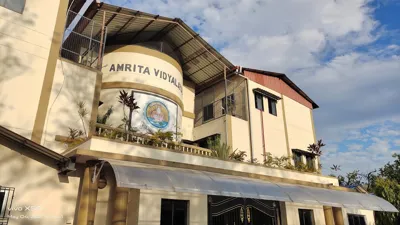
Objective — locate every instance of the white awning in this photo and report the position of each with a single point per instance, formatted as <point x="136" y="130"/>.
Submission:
<point x="142" y="176"/>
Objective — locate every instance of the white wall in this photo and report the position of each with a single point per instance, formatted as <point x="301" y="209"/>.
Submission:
<point x="274" y="127"/>
<point x="368" y="215"/>
<point x="216" y="126"/>
<point x="292" y="213"/>
<point x="37" y="185"/>
<point x="72" y="83"/>
<point x="150" y="206"/>
<point x="25" y="41"/>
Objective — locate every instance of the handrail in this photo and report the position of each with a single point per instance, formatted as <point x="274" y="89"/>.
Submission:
<point x="143" y="139"/>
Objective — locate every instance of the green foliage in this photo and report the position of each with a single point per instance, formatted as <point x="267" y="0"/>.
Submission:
<point x="75" y="137"/>
<point x="219" y="150"/>
<point x="103" y="119"/>
<point x="389" y="190"/>
<point x="392" y="170"/>
<point x="160" y="137"/>
<point x="82" y="112"/>
<point x="129" y="101"/>
<point x="238" y="155"/>
<point x="316" y="147"/>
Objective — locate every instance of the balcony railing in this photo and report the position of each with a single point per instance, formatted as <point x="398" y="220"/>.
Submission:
<point x="143" y="139"/>
<point x="83" y="40"/>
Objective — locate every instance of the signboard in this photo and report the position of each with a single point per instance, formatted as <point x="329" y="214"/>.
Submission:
<point x="154" y="113"/>
<point x="140" y="68"/>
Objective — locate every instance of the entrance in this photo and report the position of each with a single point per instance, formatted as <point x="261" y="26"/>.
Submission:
<point x="242" y="211"/>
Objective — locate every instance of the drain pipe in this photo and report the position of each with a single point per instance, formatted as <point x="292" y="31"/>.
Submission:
<point x="239" y="72"/>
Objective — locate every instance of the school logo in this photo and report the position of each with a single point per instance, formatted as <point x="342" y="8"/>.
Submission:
<point x="157" y="114"/>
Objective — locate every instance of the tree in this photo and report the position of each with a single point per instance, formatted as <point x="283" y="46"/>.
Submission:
<point x="128" y="101"/>
<point x="392" y="170"/>
<point x="316" y="147"/>
<point x="389" y="190"/>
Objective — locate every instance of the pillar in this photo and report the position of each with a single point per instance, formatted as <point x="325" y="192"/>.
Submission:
<point x="328" y="213"/>
<point x="338" y="216"/>
<point x="88" y="198"/>
<point x="119" y="216"/>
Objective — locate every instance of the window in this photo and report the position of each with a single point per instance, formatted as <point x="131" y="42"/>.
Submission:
<point x="259" y="101"/>
<point x="174" y="212"/>
<point x="208" y="112"/>
<point x="14" y="5"/>
<point x="310" y="161"/>
<point x="2" y="203"/>
<point x="297" y="158"/>
<point x="306" y="217"/>
<point x="231" y="104"/>
<point x="356" y="219"/>
<point x="272" y="106"/>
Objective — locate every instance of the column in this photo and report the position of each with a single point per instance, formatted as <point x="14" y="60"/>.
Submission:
<point x="119" y="216"/>
<point x="329" y="220"/>
<point x="88" y="198"/>
<point x="338" y="216"/>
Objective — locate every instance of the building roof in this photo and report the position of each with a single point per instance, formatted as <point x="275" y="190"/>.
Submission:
<point x="285" y="79"/>
<point x="200" y="62"/>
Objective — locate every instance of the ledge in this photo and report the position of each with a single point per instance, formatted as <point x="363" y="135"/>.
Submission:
<point x="114" y="149"/>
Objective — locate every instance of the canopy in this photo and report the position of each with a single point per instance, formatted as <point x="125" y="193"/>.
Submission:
<point x="142" y="176"/>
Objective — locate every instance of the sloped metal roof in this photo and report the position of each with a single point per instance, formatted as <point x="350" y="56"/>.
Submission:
<point x="200" y="62"/>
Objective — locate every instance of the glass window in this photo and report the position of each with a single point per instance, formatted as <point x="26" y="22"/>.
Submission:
<point x="259" y="101"/>
<point x="231" y="103"/>
<point x="310" y="161"/>
<point x="272" y="106"/>
<point x="208" y="112"/>
<point x="14" y="5"/>
<point x="297" y="158"/>
<point x="306" y="217"/>
<point x="356" y="219"/>
<point x="174" y="212"/>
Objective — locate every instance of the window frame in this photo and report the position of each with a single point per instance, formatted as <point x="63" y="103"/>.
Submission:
<point x="272" y="106"/>
<point x="262" y="101"/>
<point x="312" y="164"/>
<point x="206" y="112"/>
<point x="4" y="5"/>
<point x="312" y="220"/>
<point x="172" y="203"/>
<point x="358" y="216"/>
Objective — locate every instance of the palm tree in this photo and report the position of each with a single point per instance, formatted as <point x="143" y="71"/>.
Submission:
<point x="128" y="101"/>
<point x="316" y="148"/>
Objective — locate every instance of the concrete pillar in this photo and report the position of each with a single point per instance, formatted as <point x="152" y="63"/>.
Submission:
<point x="338" y="216"/>
<point x="329" y="220"/>
<point x="93" y="191"/>
<point x="88" y="198"/>
<point x="119" y="216"/>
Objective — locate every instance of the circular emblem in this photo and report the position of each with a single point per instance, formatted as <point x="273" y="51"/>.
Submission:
<point x="157" y="114"/>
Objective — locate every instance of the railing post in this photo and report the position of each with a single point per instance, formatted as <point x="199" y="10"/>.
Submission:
<point x="90" y="43"/>
<point x="99" y="59"/>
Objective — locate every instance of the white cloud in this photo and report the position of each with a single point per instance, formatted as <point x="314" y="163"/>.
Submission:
<point x="354" y="147"/>
<point x="396" y="143"/>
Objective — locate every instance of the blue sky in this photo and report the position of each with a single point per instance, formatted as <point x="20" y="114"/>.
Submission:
<point x="345" y="54"/>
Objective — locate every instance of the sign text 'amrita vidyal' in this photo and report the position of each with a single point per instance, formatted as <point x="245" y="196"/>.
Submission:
<point x="145" y="70"/>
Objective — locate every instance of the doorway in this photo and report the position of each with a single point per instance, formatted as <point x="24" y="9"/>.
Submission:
<point x="242" y="211"/>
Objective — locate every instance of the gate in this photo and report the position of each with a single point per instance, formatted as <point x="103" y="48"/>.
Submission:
<point x="242" y="211"/>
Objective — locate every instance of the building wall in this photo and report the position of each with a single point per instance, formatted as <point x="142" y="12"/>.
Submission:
<point x="150" y="206"/>
<point x="216" y="126"/>
<point x="188" y="114"/>
<point x="37" y="185"/>
<point x="25" y="42"/>
<point x="240" y="133"/>
<point x="299" y="124"/>
<point x="369" y="215"/>
<point x="274" y="126"/>
<point x="292" y="213"/>
<point x="72" y="84"/>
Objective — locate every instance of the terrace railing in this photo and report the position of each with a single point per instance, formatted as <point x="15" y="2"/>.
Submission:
<point x="143" y="139"/>
<point x="83" y="41"/>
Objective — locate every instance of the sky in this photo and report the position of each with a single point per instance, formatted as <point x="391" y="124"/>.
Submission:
<point x="345" y="54"/>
